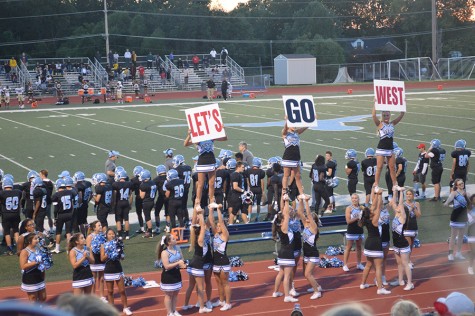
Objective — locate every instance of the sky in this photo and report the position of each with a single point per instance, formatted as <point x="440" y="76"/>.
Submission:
<point x="227" y="5"/>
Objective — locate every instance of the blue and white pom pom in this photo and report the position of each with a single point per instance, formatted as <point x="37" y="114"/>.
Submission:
<point x="127" y="281"/>
<point x="335" y="250"/>
<point x="44" y="257"/>
<point x="330" y="263"/>
<point x="139" y="282"/>
<point x="158" y="264"/>
<point x="417" y="243"/>
<point x="235" y="262"/>
<point x="97" y="242"/>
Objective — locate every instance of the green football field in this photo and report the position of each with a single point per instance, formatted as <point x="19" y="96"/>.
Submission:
<point x="77" y="137"/>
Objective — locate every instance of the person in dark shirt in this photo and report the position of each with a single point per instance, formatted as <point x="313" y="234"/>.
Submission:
<point x="460" y="161"/>
<point x="420" y="172"/>
<point x="351" y="169"/>
<point x="318" y="174"/>
<point x="63" y="203"/>
<point x="122" y="197"/>
<point x="437" y="157"/>
<point x="255" y="178"/>
<point x="237" y="189"/>
<point x="368" y="167"/>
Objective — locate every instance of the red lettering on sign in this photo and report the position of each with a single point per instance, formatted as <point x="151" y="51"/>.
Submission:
<point x="218" y="126"/>
<point x="192" y="126"/>
<point x="205" y="115"/>
<point x="400" y="90"/>
<point x="198" y="124"/>
<point x="381" y="94"/>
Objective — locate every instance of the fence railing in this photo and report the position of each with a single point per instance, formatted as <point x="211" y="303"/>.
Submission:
<point x="457" y="68"/>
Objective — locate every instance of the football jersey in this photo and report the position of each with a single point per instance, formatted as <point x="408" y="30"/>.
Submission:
<point x="160" y="181"/>
<point x="461" y="160"/>
<point x="106" y="194"/>
<point x="256" y="176"/>
<point x="10" y="201"/>
<point x="368" y="167"/>
<point x="239" y="179"/>
<point x="63" y="202"/>
<point x="176" y="187"/>
<point x="150" y="189"/>
<point x="354" y="166"/>
<point x="219" y="182"/>
<point x="331" y="164"/>
<point x="123" y="190"/>
<point x="184" y="173"/>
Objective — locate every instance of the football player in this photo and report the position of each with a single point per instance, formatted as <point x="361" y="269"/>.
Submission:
<point x="460" y="161"/>
<point x="352" y="168"/>
<point x="84" y="189"/>
<point x="175" y="193"/>
<point x="237" y="189"/>
<point x="160" y="180"/>
<point x="368" y="166"/>
<point x="255" y="178"/>
<point x="420" y="172"/>
<point x="148" y="192"/>
<point x="122" y="197"/>
<point x="437" y="157"/>
<point x="184" y="173"/>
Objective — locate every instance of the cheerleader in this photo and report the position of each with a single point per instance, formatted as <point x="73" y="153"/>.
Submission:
<point x="401" y="246"/>
<point x="354" y="232"/>
<point x="294" y="225"/>
<point x="32" y="280"/>
<point x="221" y="265"/>
<point x="207" y="263"/>
<point x="458" y="218"/>
<point x="385" y="145"/>
<point x="471" y="235"/>
<point x="205" y="166"/>
<point x="172" y="261"/>
<point x="26" y="227"/>
<point x="384" y="230"/>
<point x="80" y="258"/>
<point x="311" y="256"/>
<point x="113" y="272"/>
<point x="414" y="213"/>
<point x="195" y="268"/>
<point x="94" y="241"/>
<point x="285" y="257"/>
<point x="373" y="248"/>
<point x="291" y="159"/>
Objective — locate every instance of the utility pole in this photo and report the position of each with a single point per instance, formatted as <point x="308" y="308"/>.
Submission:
<point x="434" y="33"/>
<point x="271" y="59"/>
<point x="106" y="26"/>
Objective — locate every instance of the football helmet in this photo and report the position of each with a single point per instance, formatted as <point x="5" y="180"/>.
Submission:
<point x="60" y="183"/>
<point x="178" y="160"/>
<point x="333" y="182"/>
<point x="256" y="162"/>
<point x="8" y="176"/>
<point x="461" y="143"/>
<point x="1" y="174"/>
<point x="69" y="181"/>
<point x="63" y="174"/>
<point x="350" y="154"/>
<point x="137" y="170"/>
<point x="145" y="175"/>
<point x="435" y="143"/>
<point x="218" y="163"/>
<point x="32" y="174"/>
<point x="118" y="169"/>
<point x="172" y="174"/>
<point x="231" y="164"/>
<point x="247" y="197"/>
<point x="7" y="183"/>
<point x="279" y="159"/>
<point x="37" y="182"/>
<point x="271" y="162"/>
<point x="161" y="169"/>
<point x="79" y="176"/>
<point x="369" y="152"/>
<point x="121" y="174"/>
<point x="399" y="152"/>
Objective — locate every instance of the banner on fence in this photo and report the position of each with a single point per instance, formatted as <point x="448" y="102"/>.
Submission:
<point x="205" y="123"/>
<point x="390" y="95"/>
<point x="300" y="110"/>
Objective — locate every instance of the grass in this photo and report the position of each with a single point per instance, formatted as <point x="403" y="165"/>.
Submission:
<point x="78" y="138"/>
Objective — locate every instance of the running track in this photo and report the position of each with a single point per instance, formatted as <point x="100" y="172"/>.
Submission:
<point x="433" y="275"/>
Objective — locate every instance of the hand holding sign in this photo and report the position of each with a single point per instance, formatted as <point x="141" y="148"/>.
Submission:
<point x="390" y="95"/>
<point x="205" y="123"/>
<point x="299" y="110"/>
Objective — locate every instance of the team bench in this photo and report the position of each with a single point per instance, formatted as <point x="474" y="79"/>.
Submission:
<point x="265" y="229"/>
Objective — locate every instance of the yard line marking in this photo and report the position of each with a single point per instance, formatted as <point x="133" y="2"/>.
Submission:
<point x="265" y="143"/>
<point x="93" y="154"/>
<point x="134" y="151"/>
<point x="30" y="157"/>
<point x="51" y="156"/>
<point x="153" y="149"/>
<point x="69" y="138"/>
<point x="351" y="137"/>
<point x="72" y="155"/>
<point x="14" y="162"/>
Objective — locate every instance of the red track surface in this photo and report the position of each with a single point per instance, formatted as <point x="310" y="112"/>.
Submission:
<point x="433" y="275"/>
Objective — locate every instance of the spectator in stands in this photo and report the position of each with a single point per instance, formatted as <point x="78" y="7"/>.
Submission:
<point x="179" y="63"/>
<point x="212" y="55"/>
<point x="58" y="68"/>
<point x="224" y="88"/>
<point x="134" y="58"/>
<point x="142" y="73"/>
<point x="150" y="60"/>
<point x="7" y="70"/>
<point x="128" y="57"/>
<point x="186" y="63"/>
<point x="186" y="75"/>
<point x="13" y="65"/>
<point x="116" y="57"/>
<point x="157" y="62"/>
<point x="24" y="59"/>
<point x="224" y="54"/>
<point x="196" y="62"/>
<point x="110" y="58"/>
<point x="171" y="56"/>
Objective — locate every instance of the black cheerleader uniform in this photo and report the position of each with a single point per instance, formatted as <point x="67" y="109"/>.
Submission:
<point x="171" y="279"/>
<point x="400" y="243"/>
<point x="113" y="270"/>
<point x="458" y="218"/>
<point x="385" y="145"/>
<point x="310" y="251"/>
<point x="285" y="256"/>
<point x="206" y="159"/>
<point x="353" y="231"/>
<point x="32" y="280"/>
<point x="383" y="226"/>
<point x="98" y="264"/>
<point x="220" y="257"/>
<point x="291" y="157"/>
<point x="294" y="225"/>
<point x="208" y="256"/>
<point x="373" y="246"/>
<point x="411" y="229"/>
<point x="82" y="275"/>
<point x="195" y="267"/>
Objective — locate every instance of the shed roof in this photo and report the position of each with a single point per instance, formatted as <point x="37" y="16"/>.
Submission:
<point x="295" y="56"/>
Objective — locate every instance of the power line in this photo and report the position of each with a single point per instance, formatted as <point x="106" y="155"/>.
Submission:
<point x="49" y="15"/>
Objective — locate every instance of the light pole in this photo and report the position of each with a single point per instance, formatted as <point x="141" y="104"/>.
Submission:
<point x="106" y="27"/>
<point x="434" y="32"/>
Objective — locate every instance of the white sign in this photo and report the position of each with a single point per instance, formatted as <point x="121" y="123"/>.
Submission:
<point x="300" y="110"/>
<point x="205" y="123"/>
<point x="390" y="95"/>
